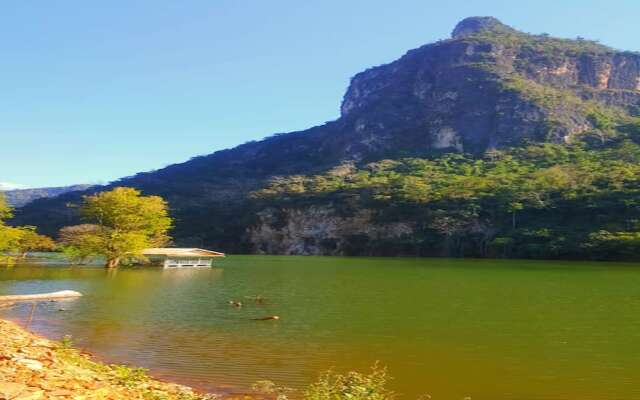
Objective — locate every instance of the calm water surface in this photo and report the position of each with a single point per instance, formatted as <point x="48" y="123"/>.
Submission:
<point x="485" y="329"/>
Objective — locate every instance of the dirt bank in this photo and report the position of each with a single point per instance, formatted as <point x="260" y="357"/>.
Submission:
<point x="33" y="368"/>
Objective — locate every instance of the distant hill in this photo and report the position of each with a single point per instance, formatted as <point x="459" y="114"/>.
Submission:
<point x="493" y="142"/>
<point x="21" y="197"/>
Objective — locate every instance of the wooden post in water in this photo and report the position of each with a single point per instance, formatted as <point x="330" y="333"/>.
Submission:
<point x="33" y="310"/>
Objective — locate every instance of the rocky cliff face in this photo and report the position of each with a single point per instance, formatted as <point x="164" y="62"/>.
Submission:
<point x="478" y="90"/>
<point x="318" y="230"/>
<point x="487" y="87"/>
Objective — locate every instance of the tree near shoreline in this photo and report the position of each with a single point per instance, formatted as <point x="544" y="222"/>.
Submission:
<point x="124" y="223"/>
<point x="18" y="239"/>
<point x="5" y="209"/>
<point x="31" y="240"/>
<point x="8" y="237"/>
<point x="79" y="243"/>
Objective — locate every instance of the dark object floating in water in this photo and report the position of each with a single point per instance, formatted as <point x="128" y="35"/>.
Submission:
<point x="235" y="303"/>
<point x="266" y="318"/>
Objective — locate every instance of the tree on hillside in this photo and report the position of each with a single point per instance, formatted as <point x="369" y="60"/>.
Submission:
<point x="125" y="223"/>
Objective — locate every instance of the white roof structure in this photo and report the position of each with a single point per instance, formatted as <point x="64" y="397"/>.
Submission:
<point x="181" y="252"/>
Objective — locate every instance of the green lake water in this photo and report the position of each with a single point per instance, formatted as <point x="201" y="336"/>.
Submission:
<point x="484" y="329"/>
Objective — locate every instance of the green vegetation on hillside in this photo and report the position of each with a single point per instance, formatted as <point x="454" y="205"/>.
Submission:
<point x="20" y="197"/>
<point x="544" y="44"/>
<point x="541" y="200"/>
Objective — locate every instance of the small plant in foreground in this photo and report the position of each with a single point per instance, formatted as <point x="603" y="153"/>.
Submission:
<point x="351" y="385"/>
<point x="333" y="386"/>
<point x="66" y="342"/>
<point x="154" y="395"/>
<point x="129" y="377"/>
<point x="151" y="394"/>
<point x="271" y="389"/>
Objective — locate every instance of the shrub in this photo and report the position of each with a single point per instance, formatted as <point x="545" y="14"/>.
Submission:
<point x="66" y="342"/>
<point x="129" y="377"/>
<point x="352" y="386"/>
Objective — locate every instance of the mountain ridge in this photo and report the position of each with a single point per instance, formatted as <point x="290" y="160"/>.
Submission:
<point x="486" y="89"/>
<point x="22" y="197"/>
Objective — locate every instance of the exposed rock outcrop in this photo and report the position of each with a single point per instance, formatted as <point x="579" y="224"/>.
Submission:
<point x="317" y="231"/>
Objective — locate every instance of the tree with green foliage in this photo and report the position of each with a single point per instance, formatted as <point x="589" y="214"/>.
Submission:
<point x="603" y="243"/>
<point x="5" y="209"/>
<point x="80" y="243"/>
<point x="9" y="236"/>
<point x="124" y="224"/>
<point x="9" y="239"/>
<point x="18" y="239"/>
<point x="30" y="240"/>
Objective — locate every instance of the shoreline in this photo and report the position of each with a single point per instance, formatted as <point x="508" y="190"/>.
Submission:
<point x="33" y="367"/>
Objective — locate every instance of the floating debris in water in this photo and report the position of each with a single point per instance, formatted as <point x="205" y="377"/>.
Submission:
<point x="257" y="299"/>
<point x="269" y="318"/>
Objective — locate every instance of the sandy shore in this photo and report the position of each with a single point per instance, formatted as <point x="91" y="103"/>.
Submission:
<point x="32" y="367"/>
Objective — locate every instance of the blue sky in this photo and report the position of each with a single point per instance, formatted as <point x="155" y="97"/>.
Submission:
<point x="93" y="91"/>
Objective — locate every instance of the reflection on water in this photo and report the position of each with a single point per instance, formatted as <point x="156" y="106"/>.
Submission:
<point x="450" y="328"/>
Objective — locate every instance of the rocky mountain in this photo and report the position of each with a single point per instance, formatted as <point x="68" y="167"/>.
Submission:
<point x="489" y="88"/>
<point x="22" y="197"/>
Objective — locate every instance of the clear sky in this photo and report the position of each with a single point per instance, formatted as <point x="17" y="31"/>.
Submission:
<point x="96" y="90"/>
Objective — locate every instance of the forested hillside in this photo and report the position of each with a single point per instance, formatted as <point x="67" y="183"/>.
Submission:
<point x="22" y="197"/>
<point x="492" y="143"/>
<point x="541" y="201"/>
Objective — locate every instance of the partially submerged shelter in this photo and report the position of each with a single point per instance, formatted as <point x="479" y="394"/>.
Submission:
<point x="181" y="257"/>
